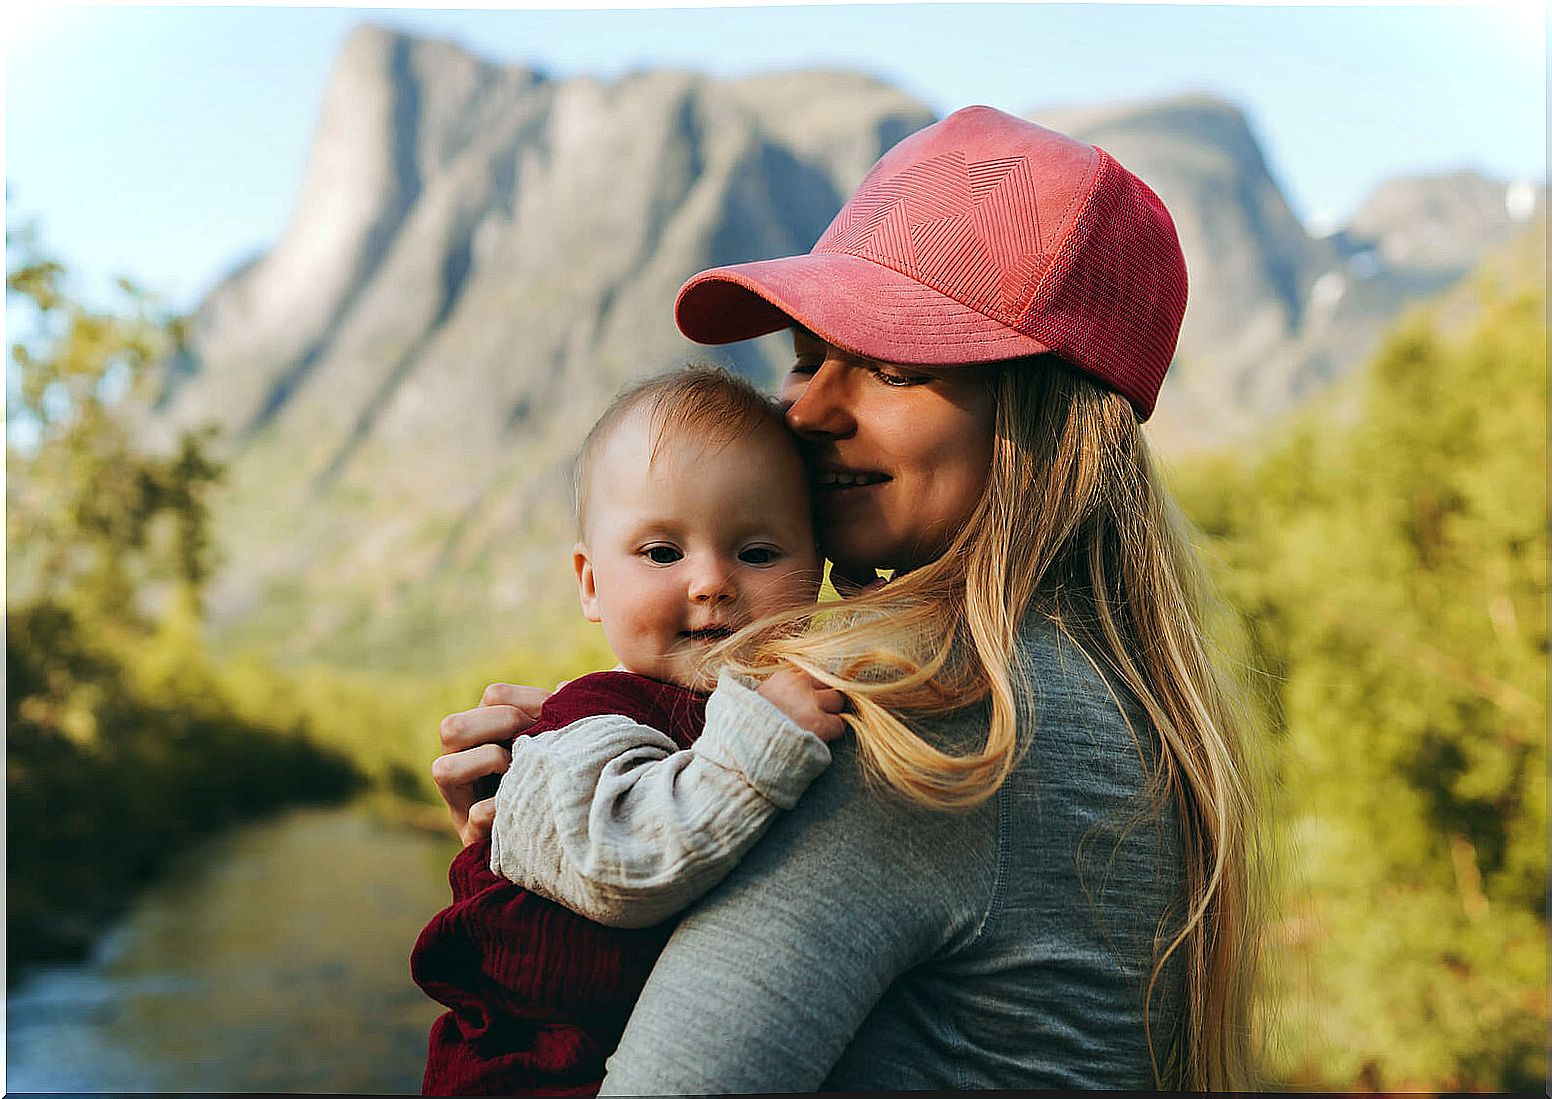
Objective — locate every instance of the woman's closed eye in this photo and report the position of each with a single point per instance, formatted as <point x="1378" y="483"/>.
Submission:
<point x="662" y="554"/>
<point x="897" y="379"/>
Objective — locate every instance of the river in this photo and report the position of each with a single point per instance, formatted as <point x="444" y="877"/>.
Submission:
<point x="273" y="958"/>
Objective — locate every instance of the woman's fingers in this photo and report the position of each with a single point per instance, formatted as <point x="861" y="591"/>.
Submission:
<point x="481" y="819"/>
<point x="527" y="700"/>
<point x="481" y="725"/>
<point x="831" y="701"/>
<point x="474" y="747"/>
<point x="456" y="773"/>
<point x="457" y="776"/>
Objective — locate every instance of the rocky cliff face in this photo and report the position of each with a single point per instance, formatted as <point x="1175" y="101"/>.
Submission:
<point x="480" y="256"/>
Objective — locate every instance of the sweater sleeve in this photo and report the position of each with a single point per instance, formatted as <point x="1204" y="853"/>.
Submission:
<point x="607" y="817"/>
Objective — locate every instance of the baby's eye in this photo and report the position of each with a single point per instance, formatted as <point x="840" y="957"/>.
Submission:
<point x="661" y="555"/>
<point x="759" y="555"/>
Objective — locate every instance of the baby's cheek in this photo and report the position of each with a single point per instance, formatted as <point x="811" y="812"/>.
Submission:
<point x="800" y="586"/>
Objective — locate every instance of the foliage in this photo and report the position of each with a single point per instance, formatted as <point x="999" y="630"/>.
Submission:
<point x="388" y="723"/>
<point x="94" y="521"/>
<point x="122" y="748"/>
<point x="127" y="739"/>
<point x="1392" y="576"/>
<point x="107" y="781"/>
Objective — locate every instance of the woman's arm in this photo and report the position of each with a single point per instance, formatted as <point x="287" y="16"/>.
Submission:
<point x="767" y="979"/>
<point x="609" y="818"/>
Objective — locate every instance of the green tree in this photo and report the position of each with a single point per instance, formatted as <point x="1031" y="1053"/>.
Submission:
<point x="94" y="520"/>
<point x="1392" y="575"/>
<point x="122" y="746"/>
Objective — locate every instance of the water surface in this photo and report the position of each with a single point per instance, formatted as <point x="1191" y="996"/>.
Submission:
<point x="274" y="958"/>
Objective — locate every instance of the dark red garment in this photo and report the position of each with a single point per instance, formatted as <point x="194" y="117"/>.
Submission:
<point x="539" y="995"/>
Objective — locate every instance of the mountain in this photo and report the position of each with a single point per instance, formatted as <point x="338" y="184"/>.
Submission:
<point x="480" y="255"/>
<point x="1439" y="226"/>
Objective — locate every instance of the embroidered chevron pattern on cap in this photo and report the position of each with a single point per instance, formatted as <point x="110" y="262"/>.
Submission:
<point x="968" y="230"/>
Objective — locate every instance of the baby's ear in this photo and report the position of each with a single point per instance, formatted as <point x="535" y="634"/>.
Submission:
<point x="586" y="591"/>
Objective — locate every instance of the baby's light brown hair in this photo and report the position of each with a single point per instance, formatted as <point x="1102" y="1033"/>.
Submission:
<point x="710" y="404"/>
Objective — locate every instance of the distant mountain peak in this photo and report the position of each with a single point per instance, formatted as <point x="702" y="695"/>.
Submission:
<point x="1435" y="227"/>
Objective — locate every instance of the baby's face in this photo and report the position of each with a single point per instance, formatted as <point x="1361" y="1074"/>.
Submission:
<point x="680" y="552"/>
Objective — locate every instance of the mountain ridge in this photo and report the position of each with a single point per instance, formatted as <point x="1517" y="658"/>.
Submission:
<point x="480" y="255"/>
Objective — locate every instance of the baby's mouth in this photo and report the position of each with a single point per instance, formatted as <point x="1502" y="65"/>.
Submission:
<point x="706" y="635"/>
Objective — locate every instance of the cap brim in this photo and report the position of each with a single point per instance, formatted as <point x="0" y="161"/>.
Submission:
<point x="862" y="307"/>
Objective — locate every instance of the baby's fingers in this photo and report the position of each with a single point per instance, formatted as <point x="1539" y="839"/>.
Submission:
<point x="827" y="726"/>
<point x="829" y="704"/>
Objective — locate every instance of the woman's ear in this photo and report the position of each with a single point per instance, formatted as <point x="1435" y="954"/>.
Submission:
<point x="587" y="591"/>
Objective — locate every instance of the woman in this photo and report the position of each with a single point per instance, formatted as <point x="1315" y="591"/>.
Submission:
<point x="1029" y="867"/>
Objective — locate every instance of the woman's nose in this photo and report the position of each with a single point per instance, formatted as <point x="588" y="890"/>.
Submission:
<point x="820" y="403"/>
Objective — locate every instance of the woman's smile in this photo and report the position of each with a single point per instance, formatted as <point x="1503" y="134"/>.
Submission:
<point x="828" y="480"/>
<point x="839" y="494"/>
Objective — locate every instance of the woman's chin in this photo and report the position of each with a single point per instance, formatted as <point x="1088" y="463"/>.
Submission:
<point x="859" y="549"/>
<point x="856" y="565"/>
<point x="860" y="561"/>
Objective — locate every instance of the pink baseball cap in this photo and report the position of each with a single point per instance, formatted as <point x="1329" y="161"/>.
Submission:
<point x="980" y="238"/>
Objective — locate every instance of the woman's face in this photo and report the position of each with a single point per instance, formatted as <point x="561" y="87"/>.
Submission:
<point x="897" y="455"/>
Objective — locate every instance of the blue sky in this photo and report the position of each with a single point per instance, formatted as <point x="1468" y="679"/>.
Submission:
<point x="168" y="143"/>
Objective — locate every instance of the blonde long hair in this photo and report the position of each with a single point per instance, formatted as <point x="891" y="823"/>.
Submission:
<point x="1073" y="524"/>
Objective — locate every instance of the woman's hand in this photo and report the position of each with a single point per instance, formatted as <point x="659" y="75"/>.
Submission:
<point x="807" y="701"/>
<point x="474" y="749"/>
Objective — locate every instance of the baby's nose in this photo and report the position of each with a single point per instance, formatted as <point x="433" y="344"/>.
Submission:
<point x="713" y="585"/>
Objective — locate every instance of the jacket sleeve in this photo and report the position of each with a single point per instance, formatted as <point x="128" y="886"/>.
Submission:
<point x="609" y="818"/>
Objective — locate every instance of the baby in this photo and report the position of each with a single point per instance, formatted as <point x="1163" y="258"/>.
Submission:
<point x="693" y="520"/>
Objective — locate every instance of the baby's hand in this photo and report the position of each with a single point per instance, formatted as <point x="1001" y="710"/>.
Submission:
<point x="807" y="701"/>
